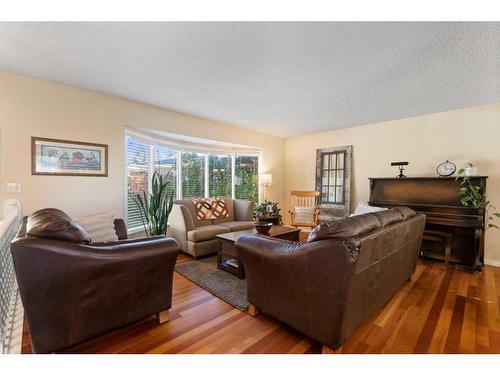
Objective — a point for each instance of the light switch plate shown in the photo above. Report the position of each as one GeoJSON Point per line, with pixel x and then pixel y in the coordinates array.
{"type": "Point", "coordinates": [13, 187]}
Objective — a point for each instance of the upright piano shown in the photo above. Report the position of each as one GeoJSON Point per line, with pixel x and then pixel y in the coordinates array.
{"type": "Point", "coordinates": [439, 199]}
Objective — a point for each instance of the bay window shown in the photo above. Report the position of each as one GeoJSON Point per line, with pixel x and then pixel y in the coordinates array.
{"type": "Point", "coordinates": [219, 175]}
{"type": "Point", "coordinates": [246, 174]}
{"type": "Point", "coordinates": [193, 173]}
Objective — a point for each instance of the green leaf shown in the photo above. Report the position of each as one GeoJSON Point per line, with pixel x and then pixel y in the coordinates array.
{"type": "Point", "coordinates": [493, 226]}
{"type": "Point", "coordinates": [496, 214]}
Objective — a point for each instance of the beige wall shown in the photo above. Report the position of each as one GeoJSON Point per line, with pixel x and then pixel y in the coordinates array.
{"type": "Point", "coordinates": [31, 107]}
{"type": "Point", "coordinates": [470, 134]}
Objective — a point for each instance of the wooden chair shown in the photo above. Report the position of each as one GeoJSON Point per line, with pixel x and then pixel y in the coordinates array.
{"type": "Point", "coordinates": [304, 199]}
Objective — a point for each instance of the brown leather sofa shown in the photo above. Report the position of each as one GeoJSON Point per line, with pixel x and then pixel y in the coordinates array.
{"type": "Point", "coordinates": [330, 286]}
{"type": "Point", "coordinates": [73, 290]}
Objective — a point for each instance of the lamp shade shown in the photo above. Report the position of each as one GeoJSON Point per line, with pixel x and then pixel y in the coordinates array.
{"type": "Point", "coordinates": [265, 179]}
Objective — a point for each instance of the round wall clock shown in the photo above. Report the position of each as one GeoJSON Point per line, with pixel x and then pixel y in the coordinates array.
{"type": "Point", "coordinates": [446, 169]}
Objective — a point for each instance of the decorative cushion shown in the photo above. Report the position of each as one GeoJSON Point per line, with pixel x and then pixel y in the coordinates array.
{"type": "Point", "coordinates": [54, 224]}
{"type": "Point", "coordinates": [101, 227]}
{"type": "Point", "coordinates": [304, 215]}
{"type": "Point", "coordinates": [230, 212]}
{"type": "Point", "coordinates": [208, 208]}
{"type": "Point", "coordinates": [363, 208]}
{"type": "Point", "coordinates": [345, 228]}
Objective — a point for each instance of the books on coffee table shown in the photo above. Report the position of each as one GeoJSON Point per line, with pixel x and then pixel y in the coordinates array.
{"type": "Point", "coordinates": [232, 263]}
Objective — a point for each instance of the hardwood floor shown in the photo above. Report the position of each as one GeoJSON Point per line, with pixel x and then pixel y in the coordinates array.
{"type": "Point", "coordinates": [436, 312]}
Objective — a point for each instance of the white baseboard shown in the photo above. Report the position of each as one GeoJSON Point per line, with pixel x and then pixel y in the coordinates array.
{"type": "Point", "coordinates": [492, 262]}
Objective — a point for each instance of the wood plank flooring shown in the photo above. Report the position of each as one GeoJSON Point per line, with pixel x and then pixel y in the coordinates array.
{"type": "Point", "coordinates": [436, 312]}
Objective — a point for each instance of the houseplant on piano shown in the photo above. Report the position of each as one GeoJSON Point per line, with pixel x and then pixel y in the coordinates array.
{"type": "Point", "coordinates": [472, 196]}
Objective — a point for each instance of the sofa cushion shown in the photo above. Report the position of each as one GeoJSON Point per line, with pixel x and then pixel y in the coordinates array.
{"type": "Point", "coordinates": [54, 224]}
{"type": "Point", "coordinates": [345, 228]}
{"type": "Point", "coordinates": [100, 228]}
{"type": "Point", "coordinates": [206, 232]}
{"type": "Point", "coordinates": [243, 209]}
{"type": "Point", "coordinates": [388, 217]}
{"type": "Point", "coordinates": [238, 225]}
{"type": "Point", "coordinates": [405, 211]}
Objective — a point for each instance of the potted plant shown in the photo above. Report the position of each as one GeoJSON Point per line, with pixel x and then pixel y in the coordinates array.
{"type": "Point", "coordinates": [267, 211]}
{"type": "Point", "coordinates": [470, 170]}
{"type": "Point", "coordinates": [471, 195]}
{"type": "Point", "coordinates": [155, 207]}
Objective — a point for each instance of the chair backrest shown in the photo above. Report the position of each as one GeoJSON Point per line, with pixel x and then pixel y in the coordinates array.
{"type": "Point", "coordinates": [303, 198]}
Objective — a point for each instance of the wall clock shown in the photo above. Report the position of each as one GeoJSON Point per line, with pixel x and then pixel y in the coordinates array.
{"type": "Point", "coordinates": [446, 169]}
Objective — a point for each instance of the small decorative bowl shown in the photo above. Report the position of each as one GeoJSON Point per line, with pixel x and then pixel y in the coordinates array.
{"type": "Point", "coordinates": [263, 228]}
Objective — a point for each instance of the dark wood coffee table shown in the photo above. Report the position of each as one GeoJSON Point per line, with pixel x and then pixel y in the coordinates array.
{"type": "Point", "coordinates": [228, 255]}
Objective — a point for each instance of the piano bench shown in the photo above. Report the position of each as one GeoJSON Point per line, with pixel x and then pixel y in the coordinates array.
{"type": "Point", "coordinates": [442, 237]}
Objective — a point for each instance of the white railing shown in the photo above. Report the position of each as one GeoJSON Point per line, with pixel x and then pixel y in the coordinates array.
{"type": "Point", "coordinates": [9, 225]}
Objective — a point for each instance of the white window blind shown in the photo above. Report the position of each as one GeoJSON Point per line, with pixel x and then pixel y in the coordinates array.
{"type": "Point", "coordinates": [193, 175]}
{"type": "Point", "coordinates": [219, 175]}
{"type": "Point", "coordinates": [138, 176]}
{"type": "Point", "coordinates": [246, 183]}
{"type": "Point", "coordinates": [165, 162]}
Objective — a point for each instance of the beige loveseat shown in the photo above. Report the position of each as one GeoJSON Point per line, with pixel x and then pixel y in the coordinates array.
{"type": "Point", "coordinates": [198, 237]}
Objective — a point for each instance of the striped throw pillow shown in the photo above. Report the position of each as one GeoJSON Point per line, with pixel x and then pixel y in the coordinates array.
{"type": "Point", "coordinates": [304, 215]}
{"type": "Point", "coordinates": [101, 227]}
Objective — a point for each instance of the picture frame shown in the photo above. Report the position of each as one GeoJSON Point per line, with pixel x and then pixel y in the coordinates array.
{"type": "Point", "coordinates": [59, 157]}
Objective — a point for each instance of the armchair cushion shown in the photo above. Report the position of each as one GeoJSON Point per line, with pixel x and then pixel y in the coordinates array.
{"type": "Point", "coordinates": [54, 224]}
{"type": "Point", "coordinates": [206, 232]}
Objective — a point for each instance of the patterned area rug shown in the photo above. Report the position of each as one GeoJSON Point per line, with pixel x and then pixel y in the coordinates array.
{"type": "Point", "coordinates": [222, 284]}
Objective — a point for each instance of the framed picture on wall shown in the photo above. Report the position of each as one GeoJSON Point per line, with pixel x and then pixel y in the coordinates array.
{"type": "Point", "coordinates": [58, 157]}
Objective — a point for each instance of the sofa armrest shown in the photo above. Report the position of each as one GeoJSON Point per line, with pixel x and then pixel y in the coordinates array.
{"type": "Point", "coordinates": [243, 210]}
{"type": "Point", "coordinates": [181, 223]}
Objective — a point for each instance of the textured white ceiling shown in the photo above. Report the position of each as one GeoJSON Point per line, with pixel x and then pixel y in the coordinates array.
{"type": "Point", "coordinates": [281, 78]}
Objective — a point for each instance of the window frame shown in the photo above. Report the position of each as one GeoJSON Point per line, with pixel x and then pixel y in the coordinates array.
{"type": "Point", "coordinates": [181, 148]}
{"type": "Point", "coordinates": [329, 170]}
{"type": "Point", "coordinates": [333, 210]}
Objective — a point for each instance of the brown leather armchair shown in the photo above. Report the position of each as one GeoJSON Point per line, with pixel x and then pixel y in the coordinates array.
{"type": "Point", "coordinates": [72, 292]}
{"type": "Point", "coordinates": [330, 286]}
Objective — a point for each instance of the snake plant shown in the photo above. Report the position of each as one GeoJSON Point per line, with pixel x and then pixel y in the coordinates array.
{"type": "Point", "coordinates": [155, 206]}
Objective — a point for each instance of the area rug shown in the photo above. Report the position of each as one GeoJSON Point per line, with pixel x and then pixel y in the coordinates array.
{"type": "Point", "coordinates": [222, 284]}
